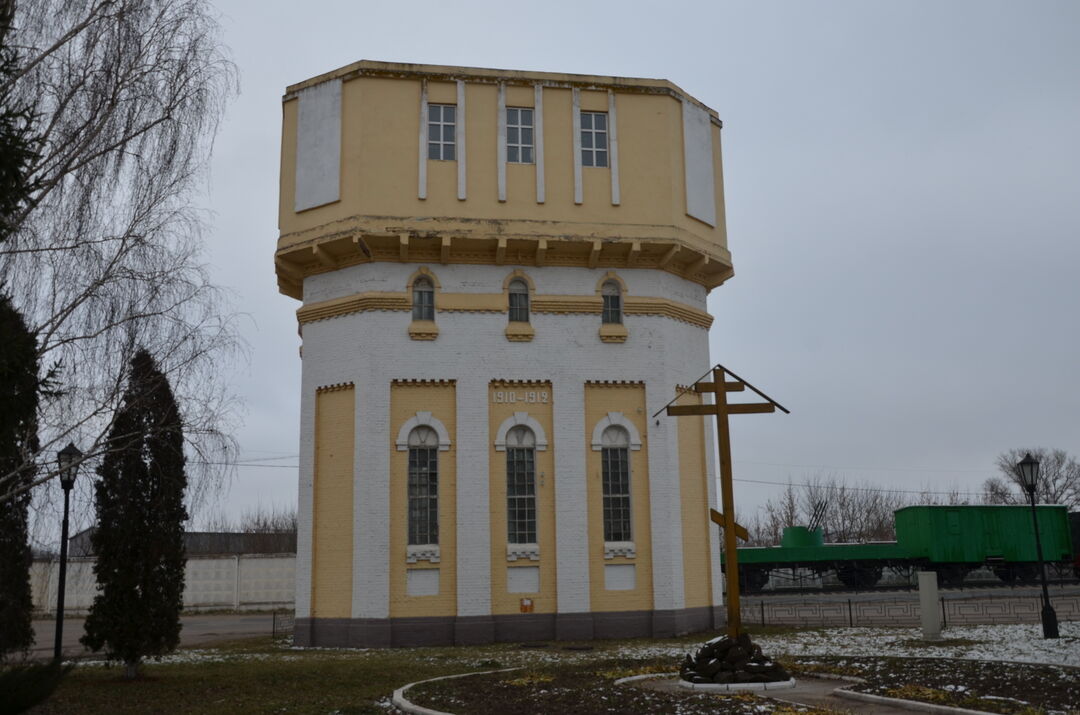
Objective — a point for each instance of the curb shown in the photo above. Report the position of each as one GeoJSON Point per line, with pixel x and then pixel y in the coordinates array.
{"type": "Point", "coordinates": [738, 687]}
{"type": "Point", "coordinates": [905, 704]}
{"type": "Point", "coordinates": [402, 703]}
{"type": "Point", "coordinates": [713, 687]}
{"type": "Point", "coordinates": [644, 676]}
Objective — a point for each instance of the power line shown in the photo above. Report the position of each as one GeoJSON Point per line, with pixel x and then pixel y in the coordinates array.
{"type": "Point", "coordinates": [857, 489]}
{"type": "Point", "coordinates": [862, 469]}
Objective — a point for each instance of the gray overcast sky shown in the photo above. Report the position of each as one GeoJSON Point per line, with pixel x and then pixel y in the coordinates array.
{"type": "Point", "coordinates": [903, 187]}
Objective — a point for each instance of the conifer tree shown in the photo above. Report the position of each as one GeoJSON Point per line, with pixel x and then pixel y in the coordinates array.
{"type": "Point", "coordinates": [140, 524]}
{"type": "Point", "coordinates": [19, 388]}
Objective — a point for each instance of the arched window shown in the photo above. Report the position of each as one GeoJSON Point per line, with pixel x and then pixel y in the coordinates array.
{"type": "Point", "coordinates": [521, 486]}
{"type": "Point", "coordinates": [423, 486]}
{"type": "Point", "coordinates": [423, 299]}
{"type": "Point", "coordinates": [615, 459]}
{"type": "Point", "coordinates": [612, 293]}
{"type": "Point", "coordinates": [519, 301]}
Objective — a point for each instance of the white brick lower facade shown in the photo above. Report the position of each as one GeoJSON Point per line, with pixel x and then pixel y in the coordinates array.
{"type": "Point", "coordinates": [372, 349]}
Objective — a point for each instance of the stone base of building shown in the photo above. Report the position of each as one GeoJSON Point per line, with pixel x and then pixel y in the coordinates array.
{"type": "Point", "coordinates": [473, 630]}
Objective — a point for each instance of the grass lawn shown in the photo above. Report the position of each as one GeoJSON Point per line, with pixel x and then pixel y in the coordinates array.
{"type": "Point", "coordinates": [257, 676]}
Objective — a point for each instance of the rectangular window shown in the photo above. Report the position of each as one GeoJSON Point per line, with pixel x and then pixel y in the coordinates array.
{"type": "Point", "coordinates": [442, 140]}
{"type": "Point", "coordinates": [616, 485]}
{"type": "Point", "coordinates": [519, 135]}
{"type": "Point", "coordinates": [423, 495]}
{"type": "Point", "coordinates": [519, 307]}
{"type": "Point", "coordinates": [612, 309]}
{"type": "Point", "coordinates": [520, 496]}
{"type": "Point", "coordinates": [594, 146]}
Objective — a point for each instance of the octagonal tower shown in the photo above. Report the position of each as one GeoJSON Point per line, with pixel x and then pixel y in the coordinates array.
{"type": "Point", "coordinates": [503, 276]}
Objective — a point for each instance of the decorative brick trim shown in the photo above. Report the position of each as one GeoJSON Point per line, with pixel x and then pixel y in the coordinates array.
{"type": "Point", "coordinates": [522, 551]}
{"type": "Point", "coordinates": [422, 552]}
{"type": "Point", "coordinates": [496, 303]}
{"type": "Point", "coordinates": [337, 387]}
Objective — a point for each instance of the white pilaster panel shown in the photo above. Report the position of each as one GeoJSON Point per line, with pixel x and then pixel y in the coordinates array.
{"type": "Point", "coordinates": [421, 190]}
{"type": "Point", "coordinates": [539, 135]}
{"type": "Point", "coordinates": [665, 500]}
{"type": "Point", "coordinates": [501, 149]}
{"type": "Point", "coordinates": [318, 145]}
{"type": "Point", "coordinates": [571, 497]}
{"type": "Point", "coordinates": [473, 509]}
{"type": "Point", "coordinates": [460, 135]}
{"type": "Point", "coordinates": [613, 148]}
{"type": "Point", "coordinates": [577, 146]}
{"type": "Point", "coordinates": [371, 501]}
{"type": "Point", "coordinates": [698, 163]}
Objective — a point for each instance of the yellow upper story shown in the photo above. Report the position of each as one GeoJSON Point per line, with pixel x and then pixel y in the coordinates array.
{"type": "Point", "coordinates": [423, 163]}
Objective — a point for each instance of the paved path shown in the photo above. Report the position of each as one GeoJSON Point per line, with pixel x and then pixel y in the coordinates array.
{"type": "Point", "coordinates": [197, 630]}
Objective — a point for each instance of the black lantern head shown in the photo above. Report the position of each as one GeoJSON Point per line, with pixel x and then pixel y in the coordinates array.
{"type": "Point", "coordinates": [68, 459]}
{"type": "Point", "coordinates": [1029, 472]}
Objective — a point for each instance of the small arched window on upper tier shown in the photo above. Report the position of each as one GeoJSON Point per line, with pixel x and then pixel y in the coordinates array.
{"type": "Point", "coordinates": [423, 303]}
{"type": "Point", "coordinates": [612, 329]}
{"type": "Point", "coordinates": [612, 294]}
{"type": "Point", "coordinates": [518, 292]}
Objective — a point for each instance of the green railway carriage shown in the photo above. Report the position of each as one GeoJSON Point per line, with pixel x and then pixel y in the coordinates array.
{"type": "Point", "coordinates": [951, 540]}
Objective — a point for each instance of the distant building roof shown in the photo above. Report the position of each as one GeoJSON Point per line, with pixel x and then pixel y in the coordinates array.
{"type": "Point", "coordinates": [209, 543]}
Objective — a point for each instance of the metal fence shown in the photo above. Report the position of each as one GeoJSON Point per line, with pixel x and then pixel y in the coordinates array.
{"type": "Point", "coordinates": [903, 609]}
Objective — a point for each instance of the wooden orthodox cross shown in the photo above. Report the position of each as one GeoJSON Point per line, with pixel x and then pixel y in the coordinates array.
{"type": "Point", "coordinates": [720, 386]}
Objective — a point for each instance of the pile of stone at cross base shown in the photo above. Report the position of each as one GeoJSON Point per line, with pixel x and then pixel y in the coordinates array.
{"type": "Point", "coordinates": [731, 660]}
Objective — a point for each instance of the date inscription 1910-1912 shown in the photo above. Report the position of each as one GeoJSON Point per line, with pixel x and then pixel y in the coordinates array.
{"type": "Point", "coordinates": [509, 397]}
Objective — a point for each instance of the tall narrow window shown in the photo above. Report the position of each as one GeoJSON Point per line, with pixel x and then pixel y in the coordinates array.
{"type": "Point", "coordinates": [612, 294]}
{"type": "Point", "coordinates": [594, 147]}
{"type": "Point", "coordinates": [423, 299]}
{"type": "Point", "coordinates": [521, 486]}
{"type": "Point", "coordinates": [519, 301]}
{"type": "Point", "coordinates": [615, 457]}
{"type": "Point", "coordinates": [423, 486]}
{"type": "Point", "coordinates": [442, 126]}
{"type": "Point", "coordinates": [519, 135]}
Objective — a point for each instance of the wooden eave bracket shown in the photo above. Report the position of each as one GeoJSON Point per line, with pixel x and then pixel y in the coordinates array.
{"type": "Point", "coordinates": [361, 246]}
{"type": "Point", "coordinates": [500, 252]}
{"type": "Point", "coordinates": [594, 254]}
{"type": "Point", "coordinates": [444, 250]}
{"type": "Point", "coordinates": [323, 257]}
{"type": "Point", "coordinates": [403, 246]}
{"type": "Point", "coordinates": [669, 256]}
{"type": "Point", "coordinates": [541, 251]}
{"type": "Point", "coordinates": [635, 253]}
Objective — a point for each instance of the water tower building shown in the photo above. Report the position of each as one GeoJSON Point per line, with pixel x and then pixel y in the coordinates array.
{"type": "Point", "coordinates": [502, 277]}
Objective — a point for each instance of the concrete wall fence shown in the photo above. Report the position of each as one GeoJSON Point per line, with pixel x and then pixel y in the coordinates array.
{"type": "Point", "coordinates": [238, 582]}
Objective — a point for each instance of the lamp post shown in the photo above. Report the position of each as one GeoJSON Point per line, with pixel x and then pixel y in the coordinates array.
{"type": "Point", "coordinates": [68, 459]}
{"type": "Point", "coordinates": [1029, 477]}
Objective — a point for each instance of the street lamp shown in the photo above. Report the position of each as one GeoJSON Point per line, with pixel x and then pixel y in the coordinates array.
{"type": "Point", "coordinates": [1029, 478]}
{"type": "Point", "coordinates": [68, 458]}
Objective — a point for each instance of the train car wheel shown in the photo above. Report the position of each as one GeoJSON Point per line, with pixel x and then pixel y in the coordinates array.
{"type": "Point", "coordinates": [752, 580]}
{"type": "Point", "coordinates": [1023, 573]}
{"type": "Point", "coordinates": [858, 574]}
{"type": "Point", "coordinates": [951, 575]}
